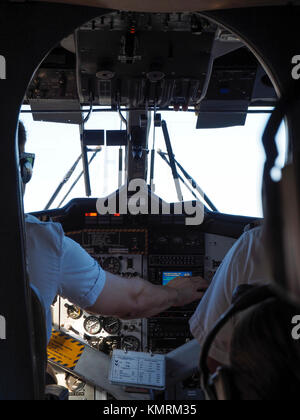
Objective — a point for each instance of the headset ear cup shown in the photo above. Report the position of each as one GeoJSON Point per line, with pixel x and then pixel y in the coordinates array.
{"type": "Point", "coordinates": [222, 381]}
{"type": "Point", "coordinates": [26, 171]}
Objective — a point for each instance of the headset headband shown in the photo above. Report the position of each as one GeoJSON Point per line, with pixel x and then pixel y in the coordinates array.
{"type": "Point", "coordinates": [273, 208]}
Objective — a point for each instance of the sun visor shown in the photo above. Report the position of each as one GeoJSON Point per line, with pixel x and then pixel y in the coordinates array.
{"type": "Point", "coordinates": [222, 114]}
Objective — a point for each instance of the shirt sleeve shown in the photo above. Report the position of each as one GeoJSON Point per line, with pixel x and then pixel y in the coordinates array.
{"type": "Point", "coordinates": [217, 300]}
{"type": "Point", "coordinates": [81, 277]}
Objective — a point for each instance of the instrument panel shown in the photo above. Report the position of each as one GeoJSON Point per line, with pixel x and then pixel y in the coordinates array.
{"type": "Point", "coordinates": [160, 249]}
{"type": "Point", "coordinates": [102, 333]}
{"type": "Point", "coordinates": [131, 253]}
{"type": "Point", "coordinates": [120, 252]}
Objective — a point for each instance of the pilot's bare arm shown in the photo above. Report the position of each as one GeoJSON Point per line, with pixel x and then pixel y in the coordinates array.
{"type": "Point", "coordinates": [131, 298]}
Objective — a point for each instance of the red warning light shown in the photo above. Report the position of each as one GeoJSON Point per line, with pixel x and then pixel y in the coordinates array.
{"type": "Point", "coordinates": [91, 214]}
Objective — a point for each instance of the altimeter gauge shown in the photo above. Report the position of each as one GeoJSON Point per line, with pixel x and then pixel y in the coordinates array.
{"type": "Point", "coordinates": [92, 325]}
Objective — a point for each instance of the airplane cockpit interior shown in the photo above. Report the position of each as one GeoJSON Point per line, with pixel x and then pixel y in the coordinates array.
{"type": "Point", "coordinates": [160, 134]}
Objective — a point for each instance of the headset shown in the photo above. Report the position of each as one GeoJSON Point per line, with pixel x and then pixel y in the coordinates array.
{"type": "Point", "coordinates": [281, 203]}
{"type": "Point", "coordinates": [26, 166]}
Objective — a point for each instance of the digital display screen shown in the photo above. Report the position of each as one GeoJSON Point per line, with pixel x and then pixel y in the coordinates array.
{"type": "Point", "coordinates": [170, 275]}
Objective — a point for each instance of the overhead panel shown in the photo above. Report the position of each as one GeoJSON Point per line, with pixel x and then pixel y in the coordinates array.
{"type": "Point", "coordinates": [141, 60]}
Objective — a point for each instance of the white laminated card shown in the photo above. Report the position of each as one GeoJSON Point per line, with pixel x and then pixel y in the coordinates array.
{"type": "Point", "coordinates": [143, 370]}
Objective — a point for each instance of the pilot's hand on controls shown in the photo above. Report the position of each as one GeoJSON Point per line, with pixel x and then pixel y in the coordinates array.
{"type": "Point", "coordinates": [189, 289]}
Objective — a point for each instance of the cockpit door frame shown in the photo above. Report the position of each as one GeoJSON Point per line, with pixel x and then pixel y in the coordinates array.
{"type": "Point", "coordinates": [28, 31]}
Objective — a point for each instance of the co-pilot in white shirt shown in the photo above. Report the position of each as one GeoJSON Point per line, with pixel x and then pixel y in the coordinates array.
{"type": "Point", "coordinates": [245, 263]}
{"type": "Point", "coordinates": [59, 266]}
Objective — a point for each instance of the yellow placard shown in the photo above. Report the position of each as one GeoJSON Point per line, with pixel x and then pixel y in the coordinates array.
{"type": "Point", "coordinates": [64, 350]}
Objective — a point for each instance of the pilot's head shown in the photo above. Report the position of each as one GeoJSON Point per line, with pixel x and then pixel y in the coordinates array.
{"type": "Point", "coordinates": [26, 159]}
{"type": "Point", "coordinates": [264, 355]}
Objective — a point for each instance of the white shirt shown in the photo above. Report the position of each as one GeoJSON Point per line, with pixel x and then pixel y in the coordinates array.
{"type": "Point", "coordinates": [245, 263]}
{"type": "Point", "coordinates": [59, 266]}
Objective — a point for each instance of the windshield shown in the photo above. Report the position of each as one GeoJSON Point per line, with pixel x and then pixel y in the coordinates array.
{"type": "Point", "coordinates": [226, 163]}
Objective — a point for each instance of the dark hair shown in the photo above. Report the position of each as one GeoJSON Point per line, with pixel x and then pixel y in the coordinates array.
{"type": "Point", "coordinates": [22, 138]}
{"type": "Point", "coordinates": [265, 359]}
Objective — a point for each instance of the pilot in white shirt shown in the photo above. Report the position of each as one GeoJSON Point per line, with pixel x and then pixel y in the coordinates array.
{"type": "Point", "coordinates": [245, 263]}
{"type": "Point", "coordinates": [59, 266]}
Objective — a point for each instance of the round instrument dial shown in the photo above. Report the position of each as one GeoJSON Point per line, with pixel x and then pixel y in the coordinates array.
{"type": "Point", "coordinates": [74, 384]}
{"type": "Point", "coordinates": [108, 344]}
{"type": "Point", "coordinates": [73, 311]}
{"type": "Point", "coordinates": [92, 325]}
{"type": "Point", "coordinates": [112, 325]}
{"type": "Point", "coordinates": [131, 343]}
{"type": "Point", "coordinates": [112, 265]}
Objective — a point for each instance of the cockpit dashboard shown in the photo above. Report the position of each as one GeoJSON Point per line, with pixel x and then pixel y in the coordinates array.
{"type": "Point", "coordinates": [156, 248]}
